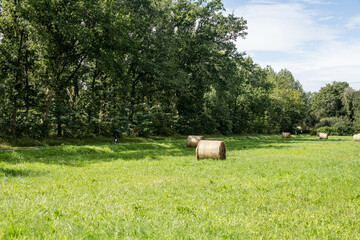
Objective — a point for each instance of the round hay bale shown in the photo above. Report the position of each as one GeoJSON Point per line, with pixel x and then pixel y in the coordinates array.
{"type": "Point", "coordinates": [286, 135]}
{"type": "Point", "coordinates": [356, 137]}
{"type": "Point", "coordinates": [210, 149]}
{"type": "Point", "coordinates": [323, 136]}
{"type": "Point", "coordinates": [192, 141]}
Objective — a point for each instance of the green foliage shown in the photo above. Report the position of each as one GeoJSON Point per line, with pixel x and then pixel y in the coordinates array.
{"type": "Point", "coordinates": [250, 98]}
{"type": "Point", "coordinates": [327, 122]}
{"type": "Point", "coordinates": [216, 113]}
{"type": "Point", "coordinates": [343, 126]}
{"type": "Point", "coordinates": [336, 126]}
{"type": "Point", "coordinates": [328, 102]}
{"type": "Point", "coordinates": [287, 101]}
{"type": "Point", "coordinates": [328, 130]}
{"type": "Point", "coordinates": [335, 109]}
{"type": "Point", "coordinates": [146, 68]}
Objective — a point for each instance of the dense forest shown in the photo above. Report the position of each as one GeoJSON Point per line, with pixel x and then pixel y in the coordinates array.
{"type": "Point", "coordinates": [148, 67]}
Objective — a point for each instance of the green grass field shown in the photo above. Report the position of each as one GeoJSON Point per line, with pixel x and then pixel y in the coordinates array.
{"type": "Point", "coordinates": [267, 188]}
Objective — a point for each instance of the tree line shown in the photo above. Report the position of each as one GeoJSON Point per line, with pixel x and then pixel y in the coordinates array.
{"type": "Point", "coordinates": [335, 109]}
{"type": "Point", "coordinates": [147, 67]}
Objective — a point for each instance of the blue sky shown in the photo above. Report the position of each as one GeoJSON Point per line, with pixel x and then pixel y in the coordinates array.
{"type": "Point", "coordinates": [317, 40]}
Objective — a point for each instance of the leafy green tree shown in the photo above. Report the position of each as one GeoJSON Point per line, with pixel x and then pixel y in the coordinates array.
{"type": "Point", "coordinates": [250, 98]}
{"type": "Point", "coordinates": [18, 67]}
{"type": "Point", "coordinates": [348, 99]}
{"type": "Point", "coordinates": [310, 118]}
{"type": "Point", "coordinates": [328, 102]}
{"type": "Point", "coordinates": [356, 110]}
{"type": "Point", "coordinates": [67, 34]}
{"type": "Point", "coordinates": [287, 108]}
{"type": "Point", "coordinates": [204, 40]}
{"type": "Point", "coordinates": [144, 67]}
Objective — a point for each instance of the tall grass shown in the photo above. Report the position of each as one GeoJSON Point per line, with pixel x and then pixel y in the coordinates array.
{"type": "Point", "coordinates": [268, 187]}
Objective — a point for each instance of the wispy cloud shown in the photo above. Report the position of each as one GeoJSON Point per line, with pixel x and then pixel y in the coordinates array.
{"type": "Point", "coordinates": [281, 27]}
{"type": "Point", "coordinates": [333, 61]}
{"type": "Point", "coordinates": [353, 22]}
{"type": "Point", "coordinates": [313, 1]}
{"type": "Point", "coordinates": [325, 18]}
{"type": "Point", "coordinates": [302, 40]}
{"type": "Point", "coordinates": [264, 1]}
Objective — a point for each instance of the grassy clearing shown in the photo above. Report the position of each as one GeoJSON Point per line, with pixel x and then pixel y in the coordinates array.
{"type": "Point", "coordinates": [268, 187]}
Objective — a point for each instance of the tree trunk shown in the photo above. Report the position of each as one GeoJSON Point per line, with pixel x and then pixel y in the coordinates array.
{"type": "Point", "coordinates": [59, 130]}
{"type": "Point", "coordinates": [14, 123]}
{"type": "Point", "coordinates": [45, 113]}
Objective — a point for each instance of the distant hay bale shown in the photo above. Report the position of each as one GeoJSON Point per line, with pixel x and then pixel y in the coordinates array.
{"type": "Point", "coordinates": [323, 136]}
{"type": "Point", "coordinates": [356, 137]}
{"type": "Point", "coordinates": [192, 141]}
{"type": "Point", "coordinates": [210, 149]}
{"type": "Point", "coordinates": [286, 135]}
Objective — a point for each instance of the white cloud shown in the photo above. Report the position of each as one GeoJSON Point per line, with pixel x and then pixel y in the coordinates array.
{"type": "Point", "coordinates": [333, 61]}
{"type": "Point", "coordinates": [312, 1]}
{"type": "Point", "coordinates": [315, 2]}
{"type": "Point", "coordinates": [337, 53]}
{"type": "Point", "coordinates": [280, 27]}
{"type": "Point", "coordinates": [326, 18]}
{"type": "Point", "coordinates": [264, 1]}
{"type": "Point", "coordinates": [353, 22]}
{"type": "Point", "coordinates": [314, 79]}
{"type": "Point", "coordinates": [301, 41]}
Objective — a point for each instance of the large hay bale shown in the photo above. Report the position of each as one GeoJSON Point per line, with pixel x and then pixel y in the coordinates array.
{"type": "Point", "coordinates": [210, 149]}
{"type": "Point", "coordinates": [323, 136]}
{"type": "Point", "coordinates": [356, 137]}
{"type": "Point", "coordinates": [286, 135]}
{"type": "Point", "coordinates": [192, 141]}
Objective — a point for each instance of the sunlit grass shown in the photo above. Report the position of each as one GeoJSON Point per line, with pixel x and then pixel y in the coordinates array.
{"type": "Point", "coordinates": [268, 187]}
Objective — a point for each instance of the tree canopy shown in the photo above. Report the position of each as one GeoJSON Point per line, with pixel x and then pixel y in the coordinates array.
{"type": "Point", "coordinates": [160, 67]}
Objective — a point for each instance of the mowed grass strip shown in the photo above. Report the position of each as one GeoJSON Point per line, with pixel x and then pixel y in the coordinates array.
{"type": "Point", "coordinates": [268, 187]}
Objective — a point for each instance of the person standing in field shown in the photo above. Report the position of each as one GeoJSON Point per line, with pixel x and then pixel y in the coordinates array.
{"type": "Point", "coordinates": [115, 135]}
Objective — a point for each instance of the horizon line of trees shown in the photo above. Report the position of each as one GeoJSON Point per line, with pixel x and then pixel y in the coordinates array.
{"type": "Point", "coordinates": [149, 67]}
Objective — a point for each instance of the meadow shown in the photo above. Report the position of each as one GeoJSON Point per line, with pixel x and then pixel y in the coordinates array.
{"type": "Point", "coordinates": [267, 188]}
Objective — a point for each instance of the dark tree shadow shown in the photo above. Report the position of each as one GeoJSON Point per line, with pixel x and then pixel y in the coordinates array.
{"type": "Point", "coordinates": [82, 155]}
{"type": "Point", "coordinates": [154, 151]}
{"type": "Point", "coordinates": [273, 141]}
{"type": "Point", "coordinates": [19, 173]}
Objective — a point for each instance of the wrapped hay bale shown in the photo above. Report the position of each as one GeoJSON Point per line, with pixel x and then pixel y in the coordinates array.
{"type": "Point", "coordinates": [210, 149]}
{"type": "Point", "coordinates": [286, 135]}
{"type": "Point", "coordinates": [323, 136]}
{"type": "Point", "coordinates": [356, 137]}
{"type": "Point", "coordinates": [192, 141]}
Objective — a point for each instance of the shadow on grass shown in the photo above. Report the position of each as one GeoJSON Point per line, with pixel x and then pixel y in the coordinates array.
{"type": "Point", "coordinates": [154, 151]}
{"type": "Point", "coordinates": [19, 173]}
{"type": "Point", "coordinates": [87, 154]}
{"type": "Point", "coordinates": [11, 143]}
{"type": "Point", "coordinates": [274, 141]}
